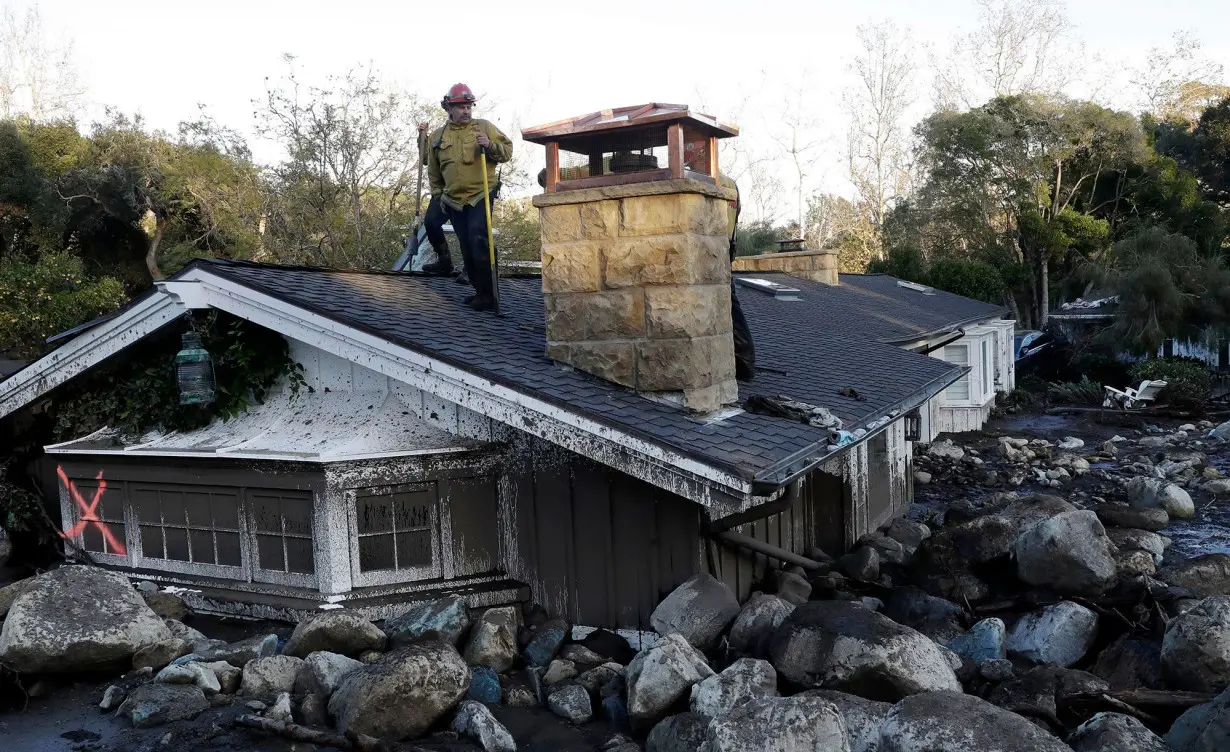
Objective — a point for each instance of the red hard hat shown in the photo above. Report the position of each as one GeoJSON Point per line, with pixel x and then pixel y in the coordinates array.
{"type": "Point", "coordinates": [459, 94]}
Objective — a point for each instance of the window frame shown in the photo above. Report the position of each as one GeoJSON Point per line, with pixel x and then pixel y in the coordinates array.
{"type": "Point", "coordinates": [142, 560]}
{"type": "Point", "coordinates": [968, 399]}
{"type": "Point", "coordinates": [377, 577]}
{"type": "Point", "coordinates": [277, 576]}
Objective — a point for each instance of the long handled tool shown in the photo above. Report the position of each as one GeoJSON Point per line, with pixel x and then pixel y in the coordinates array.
{"type": "Point", "coordinates": [495, 270]}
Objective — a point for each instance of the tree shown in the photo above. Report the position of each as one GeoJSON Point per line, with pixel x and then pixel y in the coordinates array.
{"type": "Point", "coordinates": [877, 149]}
{"type": "Point", "coordinates": [799, 143]}
{"type": "Point", "coordinates": [1169, 82]}
{"type": "Point", "coordinates": [838, 224]}
{"type": "Point", "coordinates": [519, 232]}
{"type": "Point", "coordinates": [1205, 150]}
{"type": "Point", "coordinates": [43, 297]}
{"type": "Point", "coordinates": [1018, 47]}
{"type": "Point", "coordinates": [341, 197]}
{"type": "Point", "coordinates": [37, 78]}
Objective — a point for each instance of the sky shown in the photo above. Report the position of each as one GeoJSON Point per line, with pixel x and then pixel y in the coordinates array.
{"type": "Point", "coordinates": [532, 61]}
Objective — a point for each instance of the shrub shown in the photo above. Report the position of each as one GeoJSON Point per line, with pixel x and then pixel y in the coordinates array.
{"type": "Point", "coordinates": [1083, 392]}
{"type": "Point", "coordinates": [1187, 381]}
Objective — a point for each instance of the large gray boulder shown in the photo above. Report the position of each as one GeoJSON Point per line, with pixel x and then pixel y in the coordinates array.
{"type": "Point", "coordinates": [403, 693]}
{"type": "Point", "coordinates": [493, 640]}
{"type": "Point", "coordinates": [1132, 517]}
{"type": "Point", "coordinates": [659, 677]}
{"type": "Point", "coordinates": [572, 703]}
{"type": "Point", "coordinates": [957, 722]}
{"type": "Point", "coordinates": [779, 724]}
{"type": "Point", "coordinates": [745, 679]}
{"type": "Point", "coordinates": [846, 646]}
{"type": "Point", "coordinates": [992, 536]}
{"type": "Point", "coordinates": [684, 732]}
{"type": "Point", "coordinates": [1035, 693]}
{"type": "Point", "coordinates": [1115, 732]}
{"type": "Point", "coordinates": [156, 703]}
{"type": "Point", "coordinates": [1130, 663]}
{"type": "Point", "coordinates": [335, 632]}
{"type": "Point", "coordinates": [240, 653]}
{"type": "Point", "coordinates": [1196, 647]}
{"type": "Point", "coordinates": [983, 642]}
{"type": "Point", "coordinates": [1068, 553]}
{"type": "Point", "coordinates": [1202, 575]}
{"type": "Point", "coordinates": [322, 673]}
{"type": "Point", "coordinates": [1204, 728]}
{"type": "Point", "coordinates": [937, 618]}
{"type": "Point", "coordinates": [1128, 539]}
{"type": "Point", "coordinates": [446, 620]}
{"type": "Point", "coordinates": [1060, 634]}
{"type": "Point", "coordinates": [700, 610]}
{"type": "Point", "coordinates": [77, 618]}
{"type": "Point", "coordinates": [863, 717]}
{"type": "Point", "coordinates": [1152, 493]}
{"type": "Point", "coordinates": [269, 677]}
{"type": "Point", "coordinates": [474, 720]}
{"type": "Point", "coordinates": [197, 674]}
{"type": "Point", "coordinates": [755, 624]}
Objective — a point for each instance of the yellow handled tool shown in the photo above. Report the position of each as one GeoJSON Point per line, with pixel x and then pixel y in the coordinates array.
{"type": "Point", "coordinates": [495, 272]}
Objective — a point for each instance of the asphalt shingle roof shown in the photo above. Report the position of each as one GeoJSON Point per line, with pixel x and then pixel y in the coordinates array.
{"type": "Point", "coordinates": [799, 353]}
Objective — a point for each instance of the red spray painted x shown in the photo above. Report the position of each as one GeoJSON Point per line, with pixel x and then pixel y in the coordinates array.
{"type": "Point", "coordinates": [88, 515]}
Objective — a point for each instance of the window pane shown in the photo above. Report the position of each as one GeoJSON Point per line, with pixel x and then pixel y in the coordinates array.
{"type": "Point", "coordinates": [375, 552]}
{"type": "Point", "coordinates": [148, 507]}
{"type": "Point", "coordinates": [414, 549]}
{"type": "Point", "coordinates": [298, 516]}
{"type": "Point", "coordinates": [197, 505]}
{"type": "Point", "coordinates": [177, 544]}
{"type": "Point", "coordinates": [228, 549]}
{"type": "Point", "coordinates": [269, 549]}
{"type": "Point", "coordinates": [151, 542]}
{"type": "Point", "coordinates": [375, 514]}
{"type": "Point", "coordinates": [117, 535]}
{"type": "Point", "coordinates": [111, 505]}
{"type": "Point", "coordinates": [91, 539]}
{"type": "Point", "coordinates": [299, 556]}
{"type": "Point", "coordinates": [202, 546]}
{"type": "Point", "coordinates": [958, 354]}
{"type": "Point", "coordinates": [413, 511]}
{"type": "Point", "coordinates": [225, 511]}
{"type": "Point", "coordinates": [266, 512]}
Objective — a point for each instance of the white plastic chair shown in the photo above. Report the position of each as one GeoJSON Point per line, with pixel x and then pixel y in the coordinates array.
{"type": "Point", "coordinates": [1130, 398]}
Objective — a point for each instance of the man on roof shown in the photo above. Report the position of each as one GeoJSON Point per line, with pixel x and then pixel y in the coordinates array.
{"type": "Point", "coordinates": [455, 172]}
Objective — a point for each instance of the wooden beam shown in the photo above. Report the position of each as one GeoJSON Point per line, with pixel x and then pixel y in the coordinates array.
{"type": "Point", "coordinates": [713, 158]}
{"type": "Point", "coordinates": [552, 166]}
{"type": "Point", "coordinates": [674, 150]}
{"type": "Point", "coordinates": [623, 178]}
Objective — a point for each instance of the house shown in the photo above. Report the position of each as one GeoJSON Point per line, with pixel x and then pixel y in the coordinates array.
{"type": "Point", "coordinates": [1081, 320]}
{"type": "Point", "coordinates": [588, 448]}
{"type": "Point", "coordinates": [917, 318]}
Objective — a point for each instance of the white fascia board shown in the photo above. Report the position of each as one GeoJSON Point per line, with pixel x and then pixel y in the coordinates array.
{"type": "Point", "coordinates": [585, 436]}
{"type": "Point", "coordinates": [87, 350]}
{"type": "Point", "coordinates": [66, 449]}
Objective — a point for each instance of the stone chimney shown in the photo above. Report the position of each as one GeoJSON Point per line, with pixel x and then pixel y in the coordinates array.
{"type": "Point", "coordinates": [818, 266]}
{"type": "Point", "coordinates": [635, 264]}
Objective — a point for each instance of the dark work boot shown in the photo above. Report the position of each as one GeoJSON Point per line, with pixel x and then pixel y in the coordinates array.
{"type": "Point", "coordinates": [483, 303]}
{"type": "Point", "coordinates": [462, 278]}
{"type": "Point", "coordinates": [440, 268]}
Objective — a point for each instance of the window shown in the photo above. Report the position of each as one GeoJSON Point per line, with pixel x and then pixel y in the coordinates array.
{"type": "Point", "coordinates": [189, 524]}
{"type": "Point", "coordinates": [282, 526]}
{"type": "Point", "coordinates": [396, 528]}
{"type": "Point", "coordinates": [101, 517]}
{"type": "Point", "coordinates": [958, 355]}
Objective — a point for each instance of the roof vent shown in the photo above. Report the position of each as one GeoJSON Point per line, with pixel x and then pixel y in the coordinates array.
{"type": "Point", "coordinates": [916, 287]}
{"type": "Point", "coordinates": [769, 287]}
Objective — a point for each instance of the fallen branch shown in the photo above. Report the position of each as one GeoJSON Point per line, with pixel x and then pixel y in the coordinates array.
{"type": "Point", "coordinates": [323, 737]}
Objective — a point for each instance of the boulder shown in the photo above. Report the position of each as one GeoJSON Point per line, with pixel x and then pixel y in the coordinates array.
{"type": "Point", "coordinates": [580, 656]}
{"type": "Point", "coordinates": [314, 710]}
{"type": "Point", "coordinates": [403, 693]}
{"type": "Point", "coordinates": [743, 680]}
{"type": "Point", "coordinates": [112, 698]}
{"type": "Point", "coordinates": [475, 721]}
{"type": "Point", "coordinates": [281, 711]}
{"type": "Point", "coordinates": [700, 610]}
{"type": "Point", "coordinates": [1204, 728]}
{"type": "Point", "coordinates": [1070, 443]}
{"type": "Point", "coordinates": [166, 605]}
{"type": "Point", "coordinates": [197, 641]}
{"type": "Point", "coordinates": [1128, 539]}
{"type": "Point", "coordinates": [889, 550]}
{"type": "Point", "coordinates": [559, 671]}
{"type": "Point", "coordinates": [862, 564]}
{"type": "Point", "coordinates": [1217, 487]}
{"type": "Point", "coordinates": [843, 645]}
{"type": "Point", "coordinates": [997, 670]}
{"type": "Point", "coordinates": [946, 450]}
{"type": "Point", "coordinates": [600, 676]}
{"type": "Point", "coordinates": [548, 639]}
{"type": "Point", "coordinates": [1130, 663]}
{"type": "Point", "coordinates": [1115, 732]}
{"type": "Point", "coordinates": [266, 677]}
{"type": "Point", "coordinates": [678, 733]}
{"type": "Point", "coordinates": [610, 646]}
{"type": "Point", "coordinates": [1135, 563]}
{"type": "Point", "coordinates": [1222, 431]}
{"type": "Point", "coordinates": [156, 703]}
{"type": "Point", "coordinates": [242, 652]}
{"type": "Point", "coordinates": [1060, 634]}
{"type": "Point", "coordinates": [937, 618]}
{"type": "Point", "coordinates": [571, 702]}
{"type": "Point", "coordinates": [908, 533]}
{"type": "Point", "coordinates": [485, 686]}
{"type": "Point", "coordinates": [778, 723]}
{"type": "Point", "coordinates": [983, 642]}
{"type": "Point", "coordinates": [792, 587]}
{"type": "Point", "coordinates": [756, 622]}
{"type": "Point", "coordinates": [196, 674]}
{"type": "Point", "coordinates": [10, 593]}
{"type": "Point", "coordinates": [955, 722]}
{"type": "Point", "coordinates": [1144, 519]}
{"type": "Point", "coordinates": [160, 653]}
{"type": "Point", "coordinates": [1068, 553]}
{"type": "Point", "coordinates": [1203, 575]}
{"type": "Point", "coordinates": [229, 677]}
{"type": "Point", "coordinates": [1153, 493]}
{"type": "Point", "coordinates": [493, 640]}
{"type": "Point", "coordinates": [658, 677]}
{"type": "Point", "coordinates": [334, 632]}
{"type": "Point", "coordinates": [922, 477]}
{"type": "Point", "coordinates": [446, 620]}
{"type": "Point", "coordinates": [991, 536]}
{"type": "Point", "coordinates": [1035, 693]}
{"type": "Point", "coordinates": [77, 618]}
{"type": "Point", "coordinates": [1196, 647]}
{"type": "Point", "coordinates": [862, 717]}
{"type": "Point", "coordinates": [322, 673]}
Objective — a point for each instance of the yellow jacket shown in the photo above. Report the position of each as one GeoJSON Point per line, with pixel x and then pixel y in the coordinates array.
{"type": "Point", "coordinates": [453, 165]}
{"type": "Point", "coordinates": [732, 212]}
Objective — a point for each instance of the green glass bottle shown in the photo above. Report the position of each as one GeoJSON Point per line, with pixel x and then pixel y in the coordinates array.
{"type": "Point", "coordinates": [196, 372]}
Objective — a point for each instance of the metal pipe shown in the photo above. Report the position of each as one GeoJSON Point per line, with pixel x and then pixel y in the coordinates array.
{"type": "Point", "coordinates": [773, 552]}
{"type": "Point", "coordinates": [777, 506]}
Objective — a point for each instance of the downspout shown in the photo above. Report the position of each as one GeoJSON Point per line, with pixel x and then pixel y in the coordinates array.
{"type": "Point", "coordinates": [721, 530]}
{"type": "Point", "coordinates": [952, 338]}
